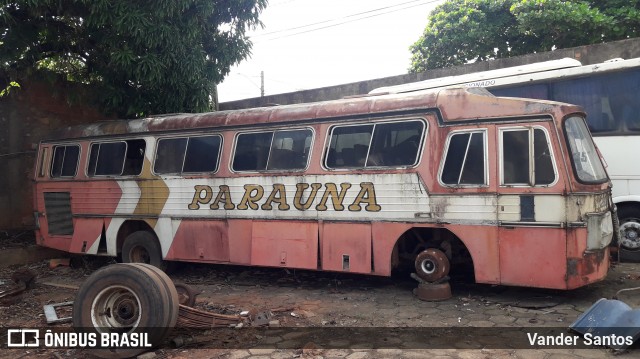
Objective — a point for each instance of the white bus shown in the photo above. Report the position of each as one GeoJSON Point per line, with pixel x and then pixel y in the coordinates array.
{"type": "Point", "coordinates": [610, 94]}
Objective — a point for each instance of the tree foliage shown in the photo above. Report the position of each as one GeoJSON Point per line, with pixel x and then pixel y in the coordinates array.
{"type": "Point", "coordinates": [460, 31]}
{"type": "Point", "coordinates": [141, 56]}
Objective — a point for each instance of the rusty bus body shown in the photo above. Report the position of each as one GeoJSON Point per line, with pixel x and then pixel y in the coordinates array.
{"type": "Point", "coordinates": [512, 185]}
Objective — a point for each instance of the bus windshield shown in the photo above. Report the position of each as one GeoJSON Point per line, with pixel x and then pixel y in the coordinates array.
{"type": "Point", "coordinates": [586, 162]}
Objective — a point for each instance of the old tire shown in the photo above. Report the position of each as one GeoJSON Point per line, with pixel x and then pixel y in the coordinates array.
{"type": "Point", "coordinates": [173, 299]}
{"type": "Point", "coordinates": [432, 265]}
{"type": "Point", "coordinates": [123, 298]}
{"type": "Point", "coordinates": [629, 233]}
{"type": "Point", "coordinates": [143, 247]}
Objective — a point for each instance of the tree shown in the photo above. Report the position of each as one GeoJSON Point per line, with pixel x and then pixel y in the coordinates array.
{"type": "Point", "coordinates": [140, 57]}
{"type": "Point", "coordinates": [461, 31]}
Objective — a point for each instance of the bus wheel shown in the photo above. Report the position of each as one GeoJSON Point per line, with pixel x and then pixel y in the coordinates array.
{"type": "Point", "coordinates": [124, 298]}
{"type": "Point", "coordinates": [629, 234]}
{"type": "Point", "coordinates": [143, 247]}
{"type": "Point", "coordinates": [432, 265]}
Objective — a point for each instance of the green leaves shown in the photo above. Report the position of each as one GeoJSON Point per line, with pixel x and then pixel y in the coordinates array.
{"type": "Point", "coordinates": [7, 89]}
{"type": "Point", "coordinates": [140, 57]}
{"type": "Point", "coordinates": [460, 31]}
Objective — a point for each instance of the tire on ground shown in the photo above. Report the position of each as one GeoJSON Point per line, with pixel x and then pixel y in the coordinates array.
{"type": "Point", "coordinates": [123, 298]}
{"type": "Point", "coordinates": [432, 265]}
{"type": "Point", "coordinates": [172, 301]}
{"type": "Point", "coordinates": [143, 247]}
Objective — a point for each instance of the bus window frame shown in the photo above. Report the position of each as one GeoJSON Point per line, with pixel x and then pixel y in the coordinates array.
{"type": "Point", "coordinates": [188, 137]}
{"type": "Point", "coordinates": [273, 131]}
{"type": "Point", "coordinates": [53, 152]}
{"type": "Point", "coordinates": [124, 159]}
{"type": "Point", "coordinates": [41, 171]}
{"type": "Point", "coordinates": [531, 129]}
{"type": "Point", "coordinates": [419, 154]}
{"type": "Point", "coordinates": [487, 179]}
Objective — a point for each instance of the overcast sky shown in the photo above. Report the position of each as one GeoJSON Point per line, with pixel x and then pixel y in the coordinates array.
{"type": "Point", "coordinates": [315, 43]}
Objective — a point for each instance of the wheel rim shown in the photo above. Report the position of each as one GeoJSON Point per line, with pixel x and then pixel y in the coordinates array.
{"type": "Point", "coordinates": [116, 307]}
{"type": "Point", "coordinates": [139, 254]}
{"type": "Point", "coordinates": [428, 266]}
{"type": "Point", "coordinates": [630, 234]}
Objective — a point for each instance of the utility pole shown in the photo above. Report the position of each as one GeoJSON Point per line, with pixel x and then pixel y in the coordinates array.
{"type": "Point", "coordinates": [261, 83]}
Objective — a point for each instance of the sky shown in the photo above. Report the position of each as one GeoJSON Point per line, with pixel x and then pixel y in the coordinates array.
{"type": "Point", "coordinates": [307, 44]}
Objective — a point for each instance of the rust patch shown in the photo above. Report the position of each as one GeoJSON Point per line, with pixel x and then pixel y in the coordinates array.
{"type": "Point", "coordinates": [589, 263]}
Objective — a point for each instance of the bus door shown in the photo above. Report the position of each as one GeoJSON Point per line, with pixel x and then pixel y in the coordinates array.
{"type": "Point", "coordinates": [531, 208]}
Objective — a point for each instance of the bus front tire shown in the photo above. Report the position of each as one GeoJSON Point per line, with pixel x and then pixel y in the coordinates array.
{"type": "Point", "coordinates": [629, 233]}
{"type": "Point", "coordinates": [143, 247]}
{"type": "Point", "coordinates": [432, 265]}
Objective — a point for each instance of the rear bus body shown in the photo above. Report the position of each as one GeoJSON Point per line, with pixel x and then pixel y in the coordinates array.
{"type": "Point", "coordinates": [355, 185]}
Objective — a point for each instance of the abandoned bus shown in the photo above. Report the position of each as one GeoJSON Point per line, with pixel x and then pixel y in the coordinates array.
{"type": "Point", "coordinates": [609, 94]}
{"type": "Point", "coordinates": [432, 179]}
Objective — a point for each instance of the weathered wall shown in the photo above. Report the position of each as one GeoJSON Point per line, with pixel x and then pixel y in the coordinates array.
{"type": "Point", "coordinates": [591, 54]}
{"type": "Point", "coordinates": [26, 116]}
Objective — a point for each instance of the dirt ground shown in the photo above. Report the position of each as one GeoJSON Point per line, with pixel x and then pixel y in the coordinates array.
{"type": "Point", "coordinates": [305, 299]}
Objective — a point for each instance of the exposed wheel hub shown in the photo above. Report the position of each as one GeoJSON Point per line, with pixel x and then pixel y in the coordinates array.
{"type": "Point", "coordinates": [428, 266]}
{"type": "Point", "coordinates": [115, 307]}
{"type": "Point", "coordinates": [630, 235]}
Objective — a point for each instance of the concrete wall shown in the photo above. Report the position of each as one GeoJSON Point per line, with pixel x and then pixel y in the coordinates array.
{"type": "Point", "coordinates": [590, 54]}
{"type": "Point", "coordinates": [26, 116]}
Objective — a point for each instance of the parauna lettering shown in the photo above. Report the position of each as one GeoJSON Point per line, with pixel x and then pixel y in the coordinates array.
{"type": "Point", "coordinates": [255, 197]}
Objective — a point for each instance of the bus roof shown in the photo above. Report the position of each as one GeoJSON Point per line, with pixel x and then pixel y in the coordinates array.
{"type": "Point", "coordinates": [454, 104]}
{"type": "Point", "coordinates": [531, 73]}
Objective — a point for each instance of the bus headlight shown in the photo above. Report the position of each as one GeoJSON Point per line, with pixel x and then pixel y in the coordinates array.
{"type": "Point", "coordinates": [599, 230]}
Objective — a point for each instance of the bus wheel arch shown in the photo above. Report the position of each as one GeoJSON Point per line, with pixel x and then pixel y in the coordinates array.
{"type": "Point", "coordinates": [629, 216]}
{"type": "Point", "coordinates": [431, 253]}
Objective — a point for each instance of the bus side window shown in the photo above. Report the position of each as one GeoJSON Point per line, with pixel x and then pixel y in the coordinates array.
{"type": "Point", "coordinates": [543, 164]}
{"type": "Point", "coordinates": [526, 157]}
{"type": "Point", "coordinates": [42, 162]}
{"type": "Point", "coordinates": [202, 154]}
{"type": "Point", "coordinates": [187, 155]}
{"type": "Point", "coordinates": [465, 160]}
{"type": "Point", "coordinates": [170, 155]}
{"type": "Point", "coordinates": [252, 151]}
{"type": "Point", "coordinates": [343, 144]}
{"type": "Point", "coordinates": [65, 161]}
{"type": "Point", "coordinates": [515, 159]}
{"type": "Point", "coordinates": [391, 144]}
{"type": "Point", "coordinates": [134, 158]}
{"type": "Point", "coordinates": [116, 158]}
{"type": "Point", "coordinates": [290, 150]}
{"type": "Point", "coordinates": [395, 144]}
